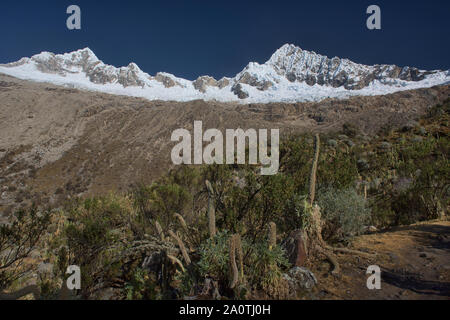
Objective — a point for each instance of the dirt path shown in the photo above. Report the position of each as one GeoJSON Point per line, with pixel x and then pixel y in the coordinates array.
{"type": "Point", "coordinates": [414, 262]}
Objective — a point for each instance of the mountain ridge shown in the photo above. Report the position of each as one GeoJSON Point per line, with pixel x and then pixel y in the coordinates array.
{"type": "Point", "coordinates": [290, 75]}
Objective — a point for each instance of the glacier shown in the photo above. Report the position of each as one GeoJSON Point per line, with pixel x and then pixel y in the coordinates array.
{"type": "Point", "coordinates": [290, 75]}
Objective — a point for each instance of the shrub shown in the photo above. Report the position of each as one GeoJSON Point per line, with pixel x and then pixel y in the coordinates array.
{"type": "Point", "coordinates": [263, 265]}
{"type": "Point", "coordinates": [350, 143]}
{"type": "Point", "coordinates": [332, 143]}
{"type": "Point", "coordinates": [385, 145]}
{"type": "Point", "coordinates": [350, 129]}
{"type": "Point", "coordinates": [17, 240]}
{"type": "Point", "coordinates": [96, 231]}
{"type": "Point", "coordinates": [362, 164]}
{"type": "Point", "coordinates": [345, 213]}
{"type": "Point", "coordinates": [215, 258]}
{"type": "Point", "coordinates": [265, 268]}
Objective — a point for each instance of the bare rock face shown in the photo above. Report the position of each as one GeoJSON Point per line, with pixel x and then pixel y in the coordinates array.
{"type": "Point", "coordinates": [291, 64]}
{"type": "Point", "coordinates": [49, 65]}
{"type": "Point", "coordinates": [222, 83]}
{"type": "Point", "coordinates": [299, 65]}
{"type": "Point", "coordinates": [291, 74]}
{"type": "Point", "coordinates": [130, 76]}
{"type": "Point", "coordinates": [239, 91]}
{"type": "Point", "coordinates": [203, 82]}
{"type": "Point", "coordinates": [85, 61]}
{"type": "Point", "coordinates": [254, 81]}
{"type": "Point", "coordinates": [295, 246]}
{"type": "Point", "coordinates": [165, 80]}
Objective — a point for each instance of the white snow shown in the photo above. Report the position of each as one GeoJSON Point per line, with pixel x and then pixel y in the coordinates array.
{"type": "Point", "coordinates": [287, 59]}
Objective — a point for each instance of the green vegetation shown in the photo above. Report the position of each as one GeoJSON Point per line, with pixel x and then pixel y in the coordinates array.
{"type": "Point", "coordinates": [165, 240]}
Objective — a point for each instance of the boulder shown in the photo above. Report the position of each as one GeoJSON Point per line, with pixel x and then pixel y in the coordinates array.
{"type": "Point", "coordinates": [296, 248]}
{"type": "Point", "coordinates": [300, 278]}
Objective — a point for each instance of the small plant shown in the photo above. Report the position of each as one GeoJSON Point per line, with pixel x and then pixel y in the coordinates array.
{"type": "Point", "coordinates": [332, 143]}
{"type": "Point", "coordinates": [141, 286]}
{"type": "Point", "coordinates": [214, 259]}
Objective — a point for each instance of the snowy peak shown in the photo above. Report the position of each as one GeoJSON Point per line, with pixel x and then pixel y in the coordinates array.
{"type": "Point", "coordinates": [299, 65]}
{"type": "Point", "coordinates": [291, 74]}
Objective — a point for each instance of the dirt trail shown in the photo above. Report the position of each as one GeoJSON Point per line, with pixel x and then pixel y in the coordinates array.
{"type": "Point", "coordinates": [414, 262]}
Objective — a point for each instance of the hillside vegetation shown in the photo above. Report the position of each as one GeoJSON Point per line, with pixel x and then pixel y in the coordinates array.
{"type": "Point", "coordinates": [219, 231]}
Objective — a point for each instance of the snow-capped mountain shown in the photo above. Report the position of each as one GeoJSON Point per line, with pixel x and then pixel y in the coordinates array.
{"type": "Point", "coordinates": [290, 75]}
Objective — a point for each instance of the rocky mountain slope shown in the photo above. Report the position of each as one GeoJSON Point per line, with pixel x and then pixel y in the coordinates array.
{"type": "Point", "coordinates": [57, 142]}
{"type": "Point", "coordinates": [290, 75]}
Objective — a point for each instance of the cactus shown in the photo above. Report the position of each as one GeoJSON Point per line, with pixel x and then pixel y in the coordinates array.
{"type": "Point", "coordinates": [182, 222]}
{"type": "Point", "coordinates": [272, 235]}
{"type": "Point", "coordinates": [234, 269]}
{"type": "Point", "coordinates": [176, 261]}
{"type": "Point", "coordinates": [240, 255]}
{"type": "Point", "coordinates": [235, 242]}
{"type": "Point", "coordinates": [313, 221]}
{"type": "Point", "coordinates": [211, 210]}
{"type": "Point", "coordinates": [236, 248]}
{"type": "Point", "coordinates": [181, 246]}
{"type": "Point", "coordinates": [365, 190]}
{"type": "Point", "coordinates": [159, 230]}
{"type": "Point", "coordinates": [312, 179]}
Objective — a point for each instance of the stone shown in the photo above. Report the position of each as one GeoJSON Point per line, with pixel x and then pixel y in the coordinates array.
{"type": "Point", "coordinates": [371, 229]}
{"type": "Point", "coordinates": [254, 81]}
{"type": "Point", "coordinates": [222, 83]}
{"type": "Point", "coordinates": [211, 289]}
{"type": "Point", "coordinates": [295, 247]}
{"type": "Point", "coordinates": [237, 90]}
{"type": "Point", "coordinates": [300, 278]}
{"type": "Point", "coordinates": [202, 83]}
{"type": "Point", "coordinates": [165, 80]}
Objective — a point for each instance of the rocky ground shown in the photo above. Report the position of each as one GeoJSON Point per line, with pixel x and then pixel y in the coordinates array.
{"type": "Point", "coordinates": [414, 262]}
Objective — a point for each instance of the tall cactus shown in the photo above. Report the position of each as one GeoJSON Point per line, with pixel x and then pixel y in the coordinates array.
{"type": "Point", "coordinates": [236, 248]}
{"type": "Point", "coordinates": [181, 246]}
{"type": "Point", "coordinates": [240, 255]}
{"type": "Point", "coordinates": [159, 230]}
{"type": "Point", "coordinates": [211, 210]}
{"type": "Point", "coordinates": [312, 178]}
{"type": "Point", "coordinates": [234, 269]}
{"type": "Point", "coordinates": [272, 235]}
{"type": "Point", "coordinates": [182, 222]}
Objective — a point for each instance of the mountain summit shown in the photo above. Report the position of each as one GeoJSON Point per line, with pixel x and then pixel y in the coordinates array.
{"type": "Point", "coordinates": [290, 75]}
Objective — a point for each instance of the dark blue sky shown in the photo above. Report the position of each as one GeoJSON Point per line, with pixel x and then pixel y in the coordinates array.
{"type": "Point", "coordinates": [219, 38]}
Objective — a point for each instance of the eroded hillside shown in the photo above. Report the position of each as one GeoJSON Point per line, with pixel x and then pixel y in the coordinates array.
{"type": "Point", "coordinates": [58, 143]}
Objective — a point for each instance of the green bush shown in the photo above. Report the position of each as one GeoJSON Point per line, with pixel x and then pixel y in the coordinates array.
{"type": "Point", "coordinates": [95, 233]}
{"type": "Point", "coordinates": [345, 213]}
{"type": "Point", "coordinates": [17, 240]}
